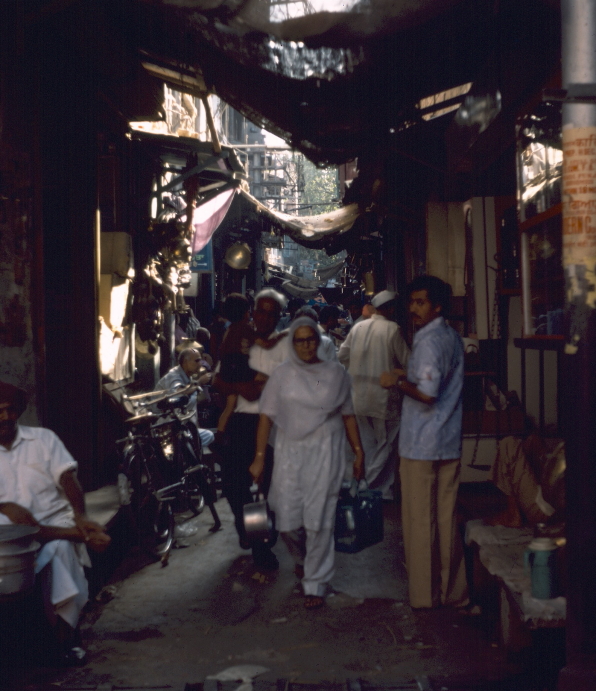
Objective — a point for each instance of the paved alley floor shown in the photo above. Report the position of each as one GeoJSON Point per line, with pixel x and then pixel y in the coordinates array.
{"type": "Point", "coordinates": [209, 610]}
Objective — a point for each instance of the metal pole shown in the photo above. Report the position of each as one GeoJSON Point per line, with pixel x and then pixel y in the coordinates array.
{"type": "Point", "coordinates": [579, 378]}
{"type": "Point", "coordinates": [211, 124]}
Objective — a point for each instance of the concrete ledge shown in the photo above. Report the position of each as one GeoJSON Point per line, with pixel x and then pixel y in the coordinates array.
{"type": "Point", "coordinates": [501, 552]}
{"type": "Point", "coordinates": [103, 504]}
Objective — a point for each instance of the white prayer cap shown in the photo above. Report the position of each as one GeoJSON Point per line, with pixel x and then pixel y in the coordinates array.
{"type": "Point", "coordinates": [383, 297]}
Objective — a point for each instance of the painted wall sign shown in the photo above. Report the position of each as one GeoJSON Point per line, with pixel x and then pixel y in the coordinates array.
{"type": "Point", "coordinates": [579, 227]}
{"type": "Point", "coordinates": [203, 261]}
{"type": "Point", "coordinates": [579, 195]}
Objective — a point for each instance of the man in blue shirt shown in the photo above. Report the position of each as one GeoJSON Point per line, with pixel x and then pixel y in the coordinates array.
{"type": "Point", "coordinates": [430, 450]}
{"type": "Point", "coordinates": [179, 377]}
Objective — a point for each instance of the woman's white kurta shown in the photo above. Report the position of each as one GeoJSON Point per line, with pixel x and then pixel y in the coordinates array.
{"type": "Point", "coordinates": [307, 402]}
{"type": "Point", "coordinates": [307, 477]}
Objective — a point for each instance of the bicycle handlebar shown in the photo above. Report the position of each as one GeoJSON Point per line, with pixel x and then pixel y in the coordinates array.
{"type": "Point", "coordinates": [161, 395]}
{"type": "Point", "coordinates": [138, 396]}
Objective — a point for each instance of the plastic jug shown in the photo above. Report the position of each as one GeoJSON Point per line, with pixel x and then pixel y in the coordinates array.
{"type": "Point", "coordinates": [540, 558]}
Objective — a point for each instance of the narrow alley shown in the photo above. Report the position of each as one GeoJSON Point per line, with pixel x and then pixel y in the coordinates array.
{"type": "Point", "coordinates": [248, 245]}
{"type": "Point", "coordinates": [209, 611]}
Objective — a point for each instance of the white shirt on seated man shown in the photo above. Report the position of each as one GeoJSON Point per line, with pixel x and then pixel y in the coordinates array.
{"type": "Point", "coordinates": [39, 487]}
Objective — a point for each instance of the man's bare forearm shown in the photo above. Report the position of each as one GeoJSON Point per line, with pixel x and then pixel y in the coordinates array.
{"type": "Point", "coordinates": [74, 492]}
{"type": "Point", "coordinates": [412, 391]}
{"type": "Point", "coordinates": [19, 515]}
{"type": "Point", "coordinates": [47, 533]}
{"type": "Point", "coordinates": [397, 378]}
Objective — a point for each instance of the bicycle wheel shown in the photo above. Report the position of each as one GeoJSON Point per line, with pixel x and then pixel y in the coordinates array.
{"type": "Point", "coordinates": [193, 493]}
{"type": "Point", "coordinates": [163, 528]}
{"type": "Point", "coordinates": [152, 519]}
{"type": "Point", "coordinates": [194, 497]}
{"type": "Point", "coordinates": [138, 469]}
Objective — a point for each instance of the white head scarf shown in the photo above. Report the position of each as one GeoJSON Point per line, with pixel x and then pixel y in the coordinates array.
{"type": "Point", "coordinates": [299, 397]}
{"type": "Point", "coordinates": [294, 326]}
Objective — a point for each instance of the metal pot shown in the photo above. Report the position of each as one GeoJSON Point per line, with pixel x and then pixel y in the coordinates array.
{"type": "Point", "coordinates": [17, 571]}
{"type": "Point", "coordinates": [15, 538]}
{"type": "Point", "coordinates": [259, 520]}
{"type": "Point", "coordinates": [18, 551]}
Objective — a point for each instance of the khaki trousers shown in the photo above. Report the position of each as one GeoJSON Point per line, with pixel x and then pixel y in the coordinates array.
{"type": "Point", "coordinates": [434, 553]}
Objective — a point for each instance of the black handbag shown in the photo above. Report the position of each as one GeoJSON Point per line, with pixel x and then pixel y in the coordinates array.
{"type": "Point", "coordinates": [358, 518]}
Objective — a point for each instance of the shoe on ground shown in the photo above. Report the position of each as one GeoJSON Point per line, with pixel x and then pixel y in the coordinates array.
{"type": "Point", "coordinates": [75, 657]}
{"type": "Point", "coordinates": [266, 562]}
{"type": "Point", "coordinates": [313, 601]}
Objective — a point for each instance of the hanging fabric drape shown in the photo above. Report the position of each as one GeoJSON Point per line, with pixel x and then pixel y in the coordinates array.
{"type": "Point", "coordinates": [207, 217]}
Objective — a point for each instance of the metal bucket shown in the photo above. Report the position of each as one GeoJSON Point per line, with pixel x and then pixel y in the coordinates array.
{"type": "Point", "coordinates": [14, 538]}
{"type": "Point", "coordinates": [17, 571]}
{"type": "Point", "coordinates": [259, 521]}
{"type": "Point", "coordinates": [18, 550]}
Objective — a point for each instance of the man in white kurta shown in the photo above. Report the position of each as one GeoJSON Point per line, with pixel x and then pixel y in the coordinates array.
{"type": "Point", "coordinates": [38, 487]}
{"type": "Point", "coordinates": [373, 346]}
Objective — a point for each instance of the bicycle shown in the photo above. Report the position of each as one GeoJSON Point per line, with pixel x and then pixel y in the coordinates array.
{"type": "Point", "coordinates": [163, 462]}
{"type": "Point", "coordinates": [152, 519]}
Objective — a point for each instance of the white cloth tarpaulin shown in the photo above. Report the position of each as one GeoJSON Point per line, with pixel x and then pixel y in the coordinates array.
{"type": "Point", "coordinates": [309, 231]}
{"type": "Point", "coordinates": [207, 217]}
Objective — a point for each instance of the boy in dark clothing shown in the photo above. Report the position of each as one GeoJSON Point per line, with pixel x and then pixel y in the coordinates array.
{"type": "Point", "coordinates": [234, 352]}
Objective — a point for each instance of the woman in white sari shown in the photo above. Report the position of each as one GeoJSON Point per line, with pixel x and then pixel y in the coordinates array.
{"type": "Point", "coordinates": [310, 403]}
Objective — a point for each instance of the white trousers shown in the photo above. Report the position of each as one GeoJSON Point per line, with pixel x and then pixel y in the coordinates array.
{"type": "Point", "coordinates": [315, 550]}
{"type": "Point", "coordinates": [377, 437]}
{"type": "Point", "coordinates": [64, 586]}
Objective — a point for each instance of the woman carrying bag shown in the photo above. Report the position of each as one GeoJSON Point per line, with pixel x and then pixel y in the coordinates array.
{"type": "Point", "coordinates": [310, 403]}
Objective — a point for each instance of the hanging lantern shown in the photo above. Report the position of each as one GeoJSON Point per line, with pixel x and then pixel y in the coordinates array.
{"type": "Point", "coordinates": [368, 279]}
{"type": "Point", "coordinates": [238, 256]}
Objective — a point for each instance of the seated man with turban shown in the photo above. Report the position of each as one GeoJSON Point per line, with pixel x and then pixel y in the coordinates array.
{"type": "Point", "coordinates": [39, 487]}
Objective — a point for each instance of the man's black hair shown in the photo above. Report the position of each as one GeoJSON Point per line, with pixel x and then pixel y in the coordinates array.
{"type": "Point", "coordinates": [328, 313]}
{"type": "Point", "coordinates": [235, 307]}
{"type": "Point", "coordinates": [294, 305]}
{"type": "Point", "coordinates": [203, 336]}
{"type": "Point", "coordinates": [439, 292]}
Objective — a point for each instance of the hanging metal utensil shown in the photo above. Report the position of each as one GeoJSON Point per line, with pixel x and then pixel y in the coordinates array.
{"type": "Point", "coordinates": [259, 520]}
{"type": "Point", "coordinates": [238, 256]}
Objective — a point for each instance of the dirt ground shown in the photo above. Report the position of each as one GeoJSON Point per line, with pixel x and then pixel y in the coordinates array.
{"type": "Point", "coordinates": [209, 611]}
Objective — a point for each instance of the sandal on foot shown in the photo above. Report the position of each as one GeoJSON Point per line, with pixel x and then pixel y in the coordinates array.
{"type": "Point", "coordinates": [313, 601]}
{"type": "Point", "coordinates": [470, 611]}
